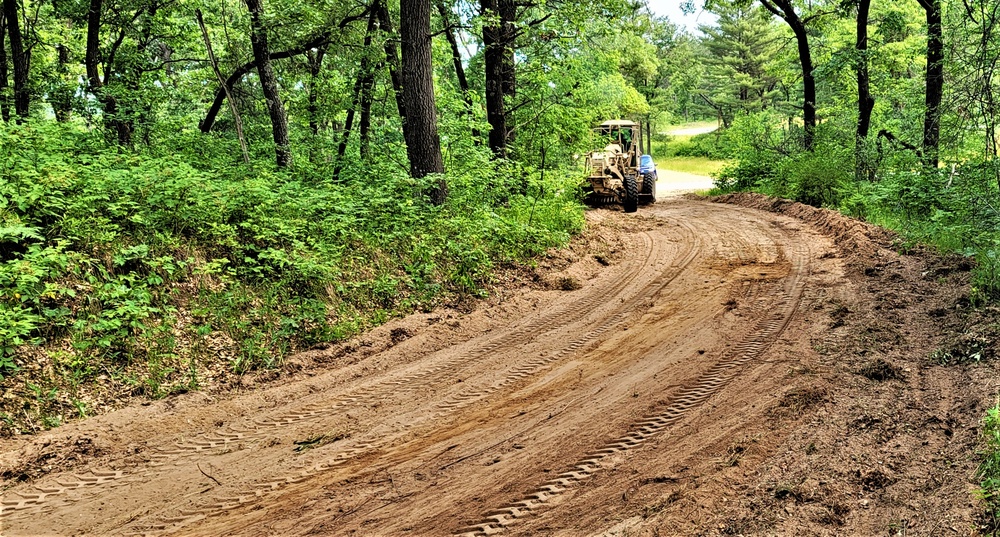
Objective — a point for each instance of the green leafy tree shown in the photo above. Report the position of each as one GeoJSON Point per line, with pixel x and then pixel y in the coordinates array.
{"type": "Point", "coordinates": [740, 67]}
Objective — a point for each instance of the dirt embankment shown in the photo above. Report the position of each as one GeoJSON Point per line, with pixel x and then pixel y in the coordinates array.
{"type": "Point", "coordinates": [751, 367]}
{"type": "Point", "coordinates": [903, 374]}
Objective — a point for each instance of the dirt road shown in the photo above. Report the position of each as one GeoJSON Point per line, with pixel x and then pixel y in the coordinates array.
{"type": "Point", "coordinates": [649, 380]}
{"type": "Point", "coordinates": [671, 183]}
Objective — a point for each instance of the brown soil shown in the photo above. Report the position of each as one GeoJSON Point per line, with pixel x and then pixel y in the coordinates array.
{"type": "Point", "coordinates": [756, 367]}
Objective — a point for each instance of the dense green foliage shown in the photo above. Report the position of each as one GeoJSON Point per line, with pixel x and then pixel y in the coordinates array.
{"type": "Point", "coordinates": [142, 254]}
{"type": "Point", "coordinates": [882, 177]}
{"type": "Point", "coordinates": [125, 267]}
{"type": "Point", "coordinates": [988, 472]}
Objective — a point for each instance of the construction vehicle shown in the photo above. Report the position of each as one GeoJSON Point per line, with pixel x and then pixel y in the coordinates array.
{"type": "Point", "coordinates": [613, 173]}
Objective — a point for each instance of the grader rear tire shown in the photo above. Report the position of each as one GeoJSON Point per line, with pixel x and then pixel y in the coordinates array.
{"type": "Point", "coordinates": [648, 189]}
{"type": "Point", "coordinates": [631, 201]}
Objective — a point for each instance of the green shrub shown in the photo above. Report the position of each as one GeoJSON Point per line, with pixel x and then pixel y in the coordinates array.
{"type": "Point", "coordinates": [710, 145]}
{"type": "Point", "coordinates": [755, 143]}
{"type": "Point", "coordinates": [988, 472]}
{"type": "Point", "coordinates": [126, 263]}
{"type": "Point", "coordinates": [815, 178]}
{"type": "Point", "coordinates": [748, 174]}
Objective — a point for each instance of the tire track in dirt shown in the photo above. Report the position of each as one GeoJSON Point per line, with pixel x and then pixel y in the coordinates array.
{"type": "Point", "coordinates": [551, 491]}
{"type": "Point", "coordinates": [401, 418]}
{"type": "Point", "coordinates": [647, 292]}
{"type": "Point", "coordinates": [415, 381]}
{"type": "Point", "coordinates": [73, 488]}
{"type": "Point", "coordinates": [451, 404]}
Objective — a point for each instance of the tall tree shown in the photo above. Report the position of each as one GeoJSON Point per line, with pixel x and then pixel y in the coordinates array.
{"type": "Point", "coordinates": [934, 82]}
{"type": "Point", "coordinates": [269, 84]}
{"type": "Point", "coordinates": [741, 46]}
{"type": "Point", "coordinates": [423, 146]}
{"type": "Point", "coordinates": [866, 102]}
{"type": "Point", "coordinates": [499, 33]}
{"type": "Point", "coordinates": [785, 10]}
{"type": "Point", "coordinates": [20, 57]}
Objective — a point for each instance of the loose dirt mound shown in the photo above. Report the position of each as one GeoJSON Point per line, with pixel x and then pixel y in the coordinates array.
{"type": "Point", "coordinates": [858, 241]}
{"type": "Point", "coordinates": [969, 334]}
{"type": "Point", "coordinates": [887, 435]}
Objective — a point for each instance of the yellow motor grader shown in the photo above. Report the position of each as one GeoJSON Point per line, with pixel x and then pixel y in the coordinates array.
{"type": "Point", "coordinates": [613, 173]}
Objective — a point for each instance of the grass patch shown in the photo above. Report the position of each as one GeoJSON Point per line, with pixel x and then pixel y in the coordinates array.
{"type": "Point", "coordinates": [695, 165]}
{"type": "Point", "coordinates": [711, 123]}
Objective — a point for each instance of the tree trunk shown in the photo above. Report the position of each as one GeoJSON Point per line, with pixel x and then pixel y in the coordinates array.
{"type": "Point", "coordinates": [367, 88]}
{"type": "Point", "coordinates": [4, 101]}
{"type": "Point", "coordinates": [365, 119]}
{"type": "Point", "coordinates": [866, 102]}
{"type": "Point", "coordinates": [93, 54]}
{"type": "Point", "coordinates": [345, 137]}
{"type": "Point", "coordinates": [498, 59]}
{"type": "Point", "coordinates": [423, 146]}
{"type": "Point", "coordinates": [61, 97]}
{"type": "Point", "coordinates": [92, 59]}
{"type": "Point", "coordinates": [392, 58]}
{"type": "Point", "coordinates": [269, 84]}
{"type": "Point", "coordinates": [363, 79]}
{"type": "Point", "coordinates": [934, 82]}
{"type": "Point", "coordinates": [786, 11]}
{"type": "Point", "coordinates": [348, 127]}
{"type": "Point", "coordinates": [315, 66]}
{"type": "Point", "coordinates": [20, 57]}
{"type": "Point", "coordinates": [456, 60]}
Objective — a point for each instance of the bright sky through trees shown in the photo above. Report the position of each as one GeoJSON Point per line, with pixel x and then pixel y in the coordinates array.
{"type": "Point", "coordinates": [672, 10]}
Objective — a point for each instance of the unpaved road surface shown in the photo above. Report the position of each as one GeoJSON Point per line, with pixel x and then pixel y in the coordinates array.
{"type": "Point", "coordinates": [671, 374]}
{"type": "Point", "coordinates": [672, 183]}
